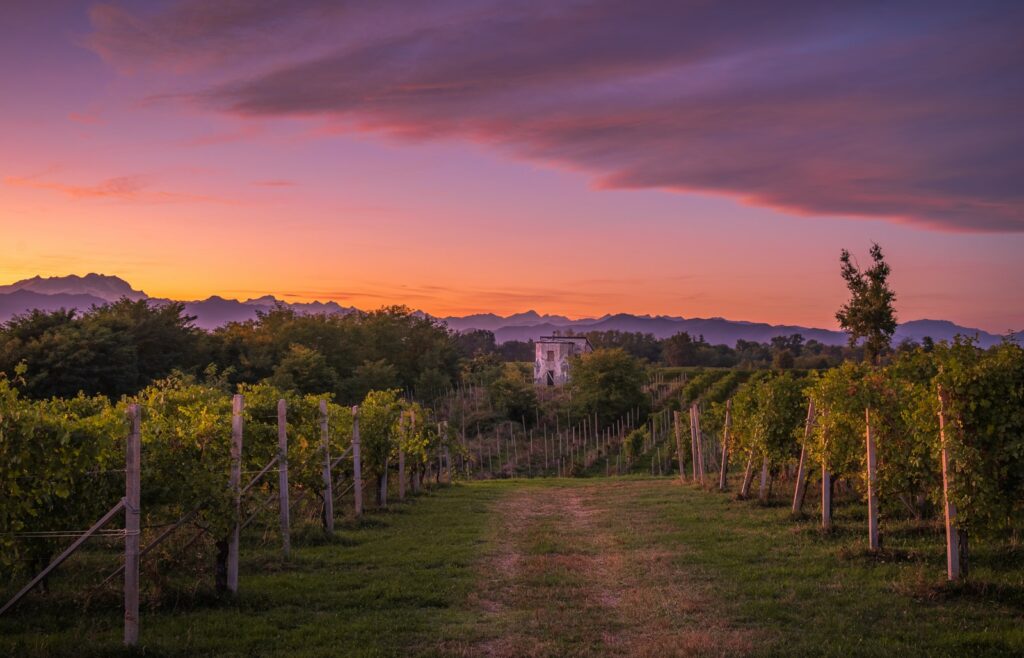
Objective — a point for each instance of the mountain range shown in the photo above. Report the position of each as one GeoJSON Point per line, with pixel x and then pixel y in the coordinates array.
{"type": "Point", "coordinates": [83, 292]}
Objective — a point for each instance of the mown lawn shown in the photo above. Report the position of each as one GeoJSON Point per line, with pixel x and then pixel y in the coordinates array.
{"type": "Point", "coordinates": [420, 580]}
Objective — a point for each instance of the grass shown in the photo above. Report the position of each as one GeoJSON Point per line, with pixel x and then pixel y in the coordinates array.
{"type": "Point", "coordinates": [626, 566]}
{"type": "Point", "coordinates": [380, 588]}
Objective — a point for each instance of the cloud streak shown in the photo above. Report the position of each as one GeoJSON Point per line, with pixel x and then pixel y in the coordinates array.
{"type": "Point", "coordinates": [120, 188]}
{"type": "Point", "coordinates": [906, 111]}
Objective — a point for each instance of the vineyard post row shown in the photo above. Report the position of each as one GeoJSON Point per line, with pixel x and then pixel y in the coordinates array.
{"type": "Point", "coordinates": [953, 533]}
{"type": "Point", "coordinates": [131, 505]}
{"type": "Point", "coordinates": [953, 539]}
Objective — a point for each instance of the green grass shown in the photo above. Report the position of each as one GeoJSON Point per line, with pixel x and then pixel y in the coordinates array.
{"type": "Point", "coordinates": [824, 594]}
{"type": "Point", "coordinates": [379, 589]}
{"type": "Point", "coordinates": [409, 582]}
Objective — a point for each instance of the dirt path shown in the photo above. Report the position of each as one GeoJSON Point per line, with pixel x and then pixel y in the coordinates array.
{"type": "Point", "coordinates": [577, 570]}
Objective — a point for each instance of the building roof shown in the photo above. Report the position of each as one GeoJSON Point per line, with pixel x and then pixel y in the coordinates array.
{"type": "Point", "coordinates": [564, 339]}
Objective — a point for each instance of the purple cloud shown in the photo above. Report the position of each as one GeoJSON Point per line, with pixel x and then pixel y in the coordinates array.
{"type": "Point", "coordinates": [908, 111]}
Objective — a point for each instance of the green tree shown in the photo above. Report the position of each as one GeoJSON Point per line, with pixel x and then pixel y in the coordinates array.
{"type": "Point", "coordinates": [608, 383]}
{"type": "Point", "coordinates": [679, 350]}
{"type": "Point", "coordinates": [514, 396]}
{"type": "Point", "coordinates": [305, 370]}
{"type": "Point", "coordinates": [869, 315]}
{"type": "Point", "coordinates": [372, 375]}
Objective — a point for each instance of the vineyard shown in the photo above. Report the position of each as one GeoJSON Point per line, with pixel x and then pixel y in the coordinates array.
{"type": "Point", "coordinates": [159, 496]}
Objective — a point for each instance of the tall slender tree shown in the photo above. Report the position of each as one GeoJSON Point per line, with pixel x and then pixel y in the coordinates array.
{"type": "Point", "coordinates": [869, 315]}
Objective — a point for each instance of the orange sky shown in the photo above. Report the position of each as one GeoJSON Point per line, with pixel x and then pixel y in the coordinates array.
{"type": "Point", "coordinates": [103, 169]}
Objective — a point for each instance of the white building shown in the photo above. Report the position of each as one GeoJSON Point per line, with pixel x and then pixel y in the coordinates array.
{"type": "Point", "coordinates": [551, 365]}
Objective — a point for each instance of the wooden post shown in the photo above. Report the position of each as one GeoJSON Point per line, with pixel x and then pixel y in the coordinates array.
{"type": "Point", "coordinates": [700, 442]}
{"type": "Point", "coordinates": [357, 465]}
{"type": "Point", "coordinates": [325, 439]}
{"type": "Point", "coordinates": [724, 470]}
{"type": "Point", "coordinates": [826, 498]}
{"type": "Point", "coordinates": [529, 462]}
{"type": "Point", "coordinates": [952, 532]}
{"type": "Point", "coordinates": [869, 440]}
{"type": "Point", "coordinates": [748, 476]}
{"type": "Point", "coordinates": [282, 476]}
{"type": "Point", "coordinates": [401, 453]}
{"type": "Point", "coordinates": [801, 471]}
{"type": "Point", "coordinates": [233, 483]}
{"type": "Point", "coordinates": [132, 515]}
{"type": "Point", "coordinates": [762, 493]}
{"type": "Point", "coordinates": [693, 442]}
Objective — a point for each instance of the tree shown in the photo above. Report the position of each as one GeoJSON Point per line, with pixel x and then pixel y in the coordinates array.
{"type": "Point", "coordinates": [679, 350]}
{"type": "Point", "coordinates": [869, 314]}
{"type": "Point", "coordinates": [304, 370]}
{"type": "Point", "coordinates": [608, 383]}
{"type": "Point", "coordinates": [372, 375]}
{"type": "Point", "coordinates": [640, 345]}
{"type": "Point", "coordinates": [514, 395]}
{"type": "Point", "coordinates": [111, 350]}
{"type": "Point", "coordinates": [517, 350]}
{"type": "Point", "coordinates": [473, 342]}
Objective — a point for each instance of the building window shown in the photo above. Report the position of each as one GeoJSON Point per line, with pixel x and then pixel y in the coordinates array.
{"type": "Point", "coordinates": [551, 355]}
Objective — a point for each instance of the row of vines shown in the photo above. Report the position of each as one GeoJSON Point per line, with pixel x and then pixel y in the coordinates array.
{"type": "Point", "coordinates": [62, 465]}
{"type": "Point", "coordinates": [896, 410]}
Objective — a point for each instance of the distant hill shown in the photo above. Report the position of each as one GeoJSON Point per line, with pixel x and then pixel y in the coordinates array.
{"type": "Point", "coordinates": [492, 322]}
{"type": "Point", "coordinates": [108, 288]}
{"type": "Point", "coordinates": [20, 302]}
{"type": "Point", "coordinates": [216, 311]}
{"type": "Point", "coordinates": [718, 331]}
{"type": "Point", "coordinates": [82, 292]}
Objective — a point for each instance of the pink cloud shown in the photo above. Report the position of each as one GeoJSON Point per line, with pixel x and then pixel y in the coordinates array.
{"type": "Point", "coordinates": [907, 112]}
{"type": "Point", "coordinates": [120, 188]}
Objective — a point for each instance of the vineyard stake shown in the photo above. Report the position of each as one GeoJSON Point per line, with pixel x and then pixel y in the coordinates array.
{"type": "Point", "coordinates": [700, 441]}
{"type": "Point", "coordinates": [235, 479]}
{"type": "Point", "coordinates": [801, 471]}
{"type": "Point", "coordinates": [724, 471]}
{"type": "Point", "coordinates": [952, 533]}
{"type": "Point", "coordinates": [677, 422]}
{"type": "Point", "coordinates": [762, 493]}
{"type": "Point", "coordinates": [401, 455]}
{"type": "Point", "coordinates": [693, 443]}
{"type": "Point", "coordinates": [869, 440]}
{"type": "Point", "coordinates": [57, 561]}
{"type": "Point", "coordinates": [132, 514]}
{"type": "Point", "coordinates": [325, 438]}
{"type": "Point", "coordinates": [282, 475]}
{"type": "Point", "coordinates": [357, 469]}
{"type": "Point", "coordinates": [748, 476]}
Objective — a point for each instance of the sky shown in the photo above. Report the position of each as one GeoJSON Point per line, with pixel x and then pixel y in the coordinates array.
{"type": "Point", "coordinates": [684, 158]}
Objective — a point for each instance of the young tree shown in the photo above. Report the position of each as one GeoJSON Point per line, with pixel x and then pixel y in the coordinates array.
{"type": "Point", "coordinates": [869, 314]}
{"type": "Point", "coordinates": [608, 383]}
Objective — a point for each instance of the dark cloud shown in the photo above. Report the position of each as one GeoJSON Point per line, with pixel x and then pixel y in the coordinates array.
{"type": "Point", "coordinates": [908, 111]}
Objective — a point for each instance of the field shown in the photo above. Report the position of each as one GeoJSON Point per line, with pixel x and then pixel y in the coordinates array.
{"type": "Point", "coordinates": [550, 567]}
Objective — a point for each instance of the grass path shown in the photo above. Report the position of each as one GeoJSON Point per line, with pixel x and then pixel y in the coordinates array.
{"type": "Point", "coordinates": [589, 567]}
{"type": "Point", "coordinates": [566, 579]}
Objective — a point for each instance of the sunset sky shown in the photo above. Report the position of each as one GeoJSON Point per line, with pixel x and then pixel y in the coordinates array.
{"type": "Point", "coordinates": [682, 158]}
